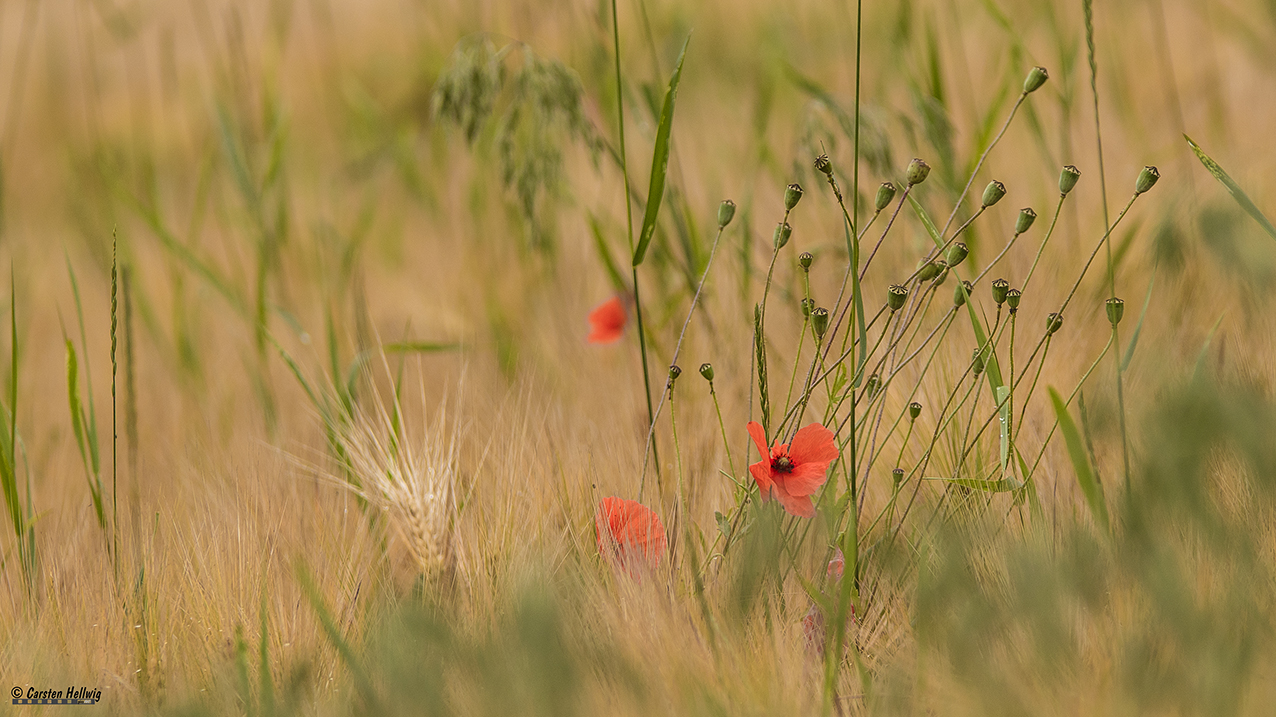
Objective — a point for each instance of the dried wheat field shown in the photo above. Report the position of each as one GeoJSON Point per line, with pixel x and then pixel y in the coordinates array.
{"type": "Point", "coordinates": [639, 357]}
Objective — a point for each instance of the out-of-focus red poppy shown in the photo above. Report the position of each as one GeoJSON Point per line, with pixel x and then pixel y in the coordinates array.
{"type": "Point", "coordinates": [791, 473]}
{"type": "Point", "coordinates": [813, 620]}
{"type": "Point", "coordinates": [607, 321]}
{"type": "Point", "coordinates": [630, 535]}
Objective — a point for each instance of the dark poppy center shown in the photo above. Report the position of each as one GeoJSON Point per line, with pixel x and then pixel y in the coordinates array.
{"type": "Point", "coordinates": [784, 464]}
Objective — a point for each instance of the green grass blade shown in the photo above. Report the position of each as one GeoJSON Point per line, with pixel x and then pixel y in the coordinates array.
{"type": "Point", "coordinates": [1205, 348]}
{"type": "Point", "coordinates": [600, 243]}
{"type": "Point", "coordinates": [1232, 188]}
{"type": "Point", "coordinates": [659, 162]}
{"type": "Point", "coordinates": [1138, 328]}
{"type": "Point", "coordinates": [1003, 418]}
{"type": "Point", "coordinates": [419, 347]}
{"type": "Point", "coordinates": [1090, 487]}
{"type": "Point", "coordinates": [330, 628]}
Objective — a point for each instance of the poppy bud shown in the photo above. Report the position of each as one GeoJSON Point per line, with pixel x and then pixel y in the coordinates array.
{"type": "Point", "coordinates": [896, 297]}
{"type": "Point", "coordinates": [1116, 309]}
{"type": "Point", "coordinates": [885, 193]}
{"type": "Point", "coordinates": [706, 370]}
{"type": "Point", "coordinates": [897, 477]}
{"type": "Point", "coordinates": [674, 373]}
{"type": "Point", "coordinates": [807, 305]}
{"type": "Point", "coordinates": [999, 289]}
{"type": "Point", "coordinates": [792, 195]}
{"type": "Point", "coordinates": [977, 362]}
{"type": "Point", "coordinates": [917, 172]}
{"type": "Point", "coordinates": [961, 291]}
{"type": "Point", "coordinates": [782, 233]}
{"type": "Point", "coordinates": [804, 260]}
{"type": "Point", "coordinates": [1053, 323]}
{"type": "Point", "coordinates": [1147, 178]}
{"type": "Point", "coordinates": [993, 193]}
{"type": "Point", "coordinates": [1026, 218]}
{"type": "Point", "coordinates": [1068, 179]}
{"type": "Point", "coordinates": [823, 165]}
{"type": "Point", "coordinates": [873, 383]}
{"type": "Point", "coordinates": [914, 410]}
{"type": "Point", "coordinates": [820, 320]}
{"type": "Point", "coordinates": [928, 272]}
{"type": "Point", "coordinates": [1012, 298]}
{"type": "Point", "coordinates": [956, 254]}
{"type": "Point", "coordinates": [726, 210]}
{"type": "Point", "coordinates": [1037, 77]}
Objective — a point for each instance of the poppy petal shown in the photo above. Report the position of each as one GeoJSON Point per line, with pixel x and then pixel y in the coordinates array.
{"type": "Point", "coordinates": [629, 534]}
{"type": "Point", "coordinates": [762, 476]}
{"type": "Point", "coordinates": [607, 321]}
{"type": "Point", "coordinates": [799, 505]}
{"type": "Point", "coordinates": [813, 444]}
{"type": "Point", "coordinates": [759, 439]}
{"type": "Point", "coordinates": [806, 478]}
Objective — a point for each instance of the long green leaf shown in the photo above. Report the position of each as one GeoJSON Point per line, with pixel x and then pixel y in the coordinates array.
{"type": "Point", "coordinates": [659, 162]}
{"type": "Point", "coordinates": [1080, 462]}
{"type": "Point", "coordinates": [1232, 187]}
{"type": "Point", "coordinates": [1138, 328]}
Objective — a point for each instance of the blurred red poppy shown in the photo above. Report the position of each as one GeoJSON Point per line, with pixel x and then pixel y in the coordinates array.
{"type": "Point", "coordinates": [607, 321]}
{"type": "Point", "coordinates": [791, 473]}
{"type": "Point", "coordinates": [630, 535]}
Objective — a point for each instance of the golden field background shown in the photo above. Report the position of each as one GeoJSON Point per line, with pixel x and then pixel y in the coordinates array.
{"type": "Point", "coordinates": [367, 214]}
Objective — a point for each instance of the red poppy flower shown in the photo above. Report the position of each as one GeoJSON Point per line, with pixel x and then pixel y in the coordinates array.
{"type": "Point", "coordinates": [607, 321]}
{"type": "Point", "coordinates": [629, 534]}
{"type": "Point", "coordinates": [813, 620]}
{"type": "Point", "coordinates": [791, 473]}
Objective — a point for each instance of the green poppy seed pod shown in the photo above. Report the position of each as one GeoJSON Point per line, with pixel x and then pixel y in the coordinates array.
{"type": "Point", "coordinates": [1037, 77]}
{"type": "Point", "coordinates": [823, 165]}
{"type": "Point", "coordinates": [956, 254]}
{"type": "Point", "coordinates": [897, 477]}
{"type": "Point", "coordinates": [896, 296]}
{"type": "Point", "coordinates": [1053, 323]}
{"type": "Point", "coordinates": [1147, 179]}
{"type": "Point", "coordinates": [804, 260]}
{"type": "Point", "coordinates": [1012, 298]}
{"type": "Point", "coordinates": [1116, 309]}
{"type": "Point", "coordinates": [782, 233]}
{"type": "Point", "coordinates": [820, 321]}
{"type": "Point", "coordinates": [792, 195]}
{"type": "Point", "coordinates": [1026, 218]}
{"type": "Point", "coordinates": [870, 387]}
{"type": "Point", "coordinates": [943, 272]}
{"type": "Point", "coordinates": [977, 362]}
{"type": "Point", "coordinates": [885, 193]}
{"type": "Point", "coordinates": [807, 306]}
{"type": "Point", "coordinates": [928, 272]}
{"type": "Point", "coordinates": [726, 210]}
{"type": "Point", "coordinates": [674, 373]}
{"type": "Point", "coordinates": [999, 289]}
{"type": "Point", "coordinates": [914, 410]}
{"type": "Point", "coordinates": [917, 172]}
{"type": "Point", "coordinates": [706, 370]}
{"type": "Point", "coordinates": [1068, 179]}
{"type": "Point", "coordinates": [961, 291]}
{"type": "Point", "coordinates": [993, 193]}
